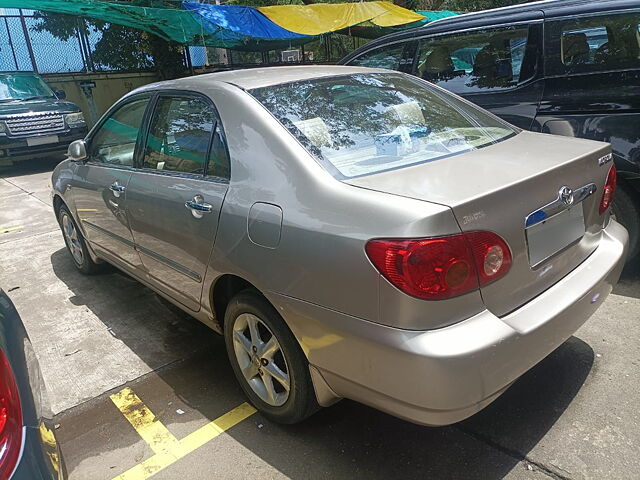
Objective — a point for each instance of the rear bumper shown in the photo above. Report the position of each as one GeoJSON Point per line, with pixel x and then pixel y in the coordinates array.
{"type": "Point", "coordinates": [442, 376]}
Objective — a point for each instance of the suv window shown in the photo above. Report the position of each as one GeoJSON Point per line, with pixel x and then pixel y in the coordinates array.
{"type": "Point", "coordinates": [389, 57]}
{"type": "Point", "coordinates": [594, 43]}
{"type": "Point", "coordinates": [115, 141]}
{"type": "Point", "coordinates": [474, 62]}
{"type": "Point", "coordinates": [179, 135]}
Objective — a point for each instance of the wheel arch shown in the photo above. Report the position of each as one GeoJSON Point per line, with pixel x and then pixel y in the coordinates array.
{"type": "Point", "coordinates": [223, 290]}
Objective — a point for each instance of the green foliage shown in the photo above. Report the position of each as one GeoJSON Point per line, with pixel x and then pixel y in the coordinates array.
{"type": "Point", "coordinates": [119, 47]}
{"type": "Point", "coordinates": [475, 5]}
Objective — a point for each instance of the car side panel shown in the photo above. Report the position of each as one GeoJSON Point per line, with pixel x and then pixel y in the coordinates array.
{"type": "Point", "coordinates": [320, 257]}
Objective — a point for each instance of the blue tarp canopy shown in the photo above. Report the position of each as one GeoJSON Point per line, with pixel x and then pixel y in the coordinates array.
{"type": "Point", "coordinates": [240, 26]}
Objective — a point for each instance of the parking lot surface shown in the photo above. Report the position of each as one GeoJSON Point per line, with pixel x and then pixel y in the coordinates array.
{"type": "Point", "coordinates": [142, 392]}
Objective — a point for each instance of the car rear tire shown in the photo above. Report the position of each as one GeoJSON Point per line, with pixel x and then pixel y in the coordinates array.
{"type": "Point", "coordinates": [267, 359]}
{"type": "Point", "coordinates": [76, 244]}
{"type": "Point", "coordinates": [626, 211]}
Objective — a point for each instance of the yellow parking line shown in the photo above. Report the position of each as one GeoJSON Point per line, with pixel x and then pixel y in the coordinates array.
{"type": "Point", "coordinates": [167, 448]}
{"type": "Point", "coordinates": [144, 421]}
{"type": "Point", "coordinates": [87, 210]}
{"type": "Point", "coordinates": [10, 229]}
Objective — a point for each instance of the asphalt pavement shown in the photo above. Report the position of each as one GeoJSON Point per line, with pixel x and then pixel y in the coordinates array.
{"type": "Point", "coordinates": [142, 392]}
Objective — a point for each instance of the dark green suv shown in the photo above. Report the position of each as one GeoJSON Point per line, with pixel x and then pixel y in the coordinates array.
{"type": "Point", "coordinates": [35, 121]}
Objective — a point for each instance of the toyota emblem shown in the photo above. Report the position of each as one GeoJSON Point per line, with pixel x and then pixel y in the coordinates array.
{"type": "Point", "coordinates": [566, 195]}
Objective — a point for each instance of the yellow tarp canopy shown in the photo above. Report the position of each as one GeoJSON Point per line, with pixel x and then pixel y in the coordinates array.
{"type": "Point", "coordinates": [319, 18]}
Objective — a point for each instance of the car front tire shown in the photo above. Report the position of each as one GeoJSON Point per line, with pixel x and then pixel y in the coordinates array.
{"type": "Point", "coordinates": [76, 243]}
{"type": "Point", "coordinates": [267, 360]}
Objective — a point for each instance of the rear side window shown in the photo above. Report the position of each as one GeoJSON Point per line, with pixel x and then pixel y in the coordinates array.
{"type": "Point", "coordinates": [594, 43]}
{"type": "Point", "coordinates": [218, 156]}
{"type": "Point", "coordinates": [389, 57]}
{"type": "Point", "coordinates": [474, 62]}
{"type": "Point", "coordinates": [179, 135]}
{"type": "Point", "coordinates": [361, 124]}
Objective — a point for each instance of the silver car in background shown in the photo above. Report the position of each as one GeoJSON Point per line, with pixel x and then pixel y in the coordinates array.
{"type": "Point", "coordinates": [354, 233]}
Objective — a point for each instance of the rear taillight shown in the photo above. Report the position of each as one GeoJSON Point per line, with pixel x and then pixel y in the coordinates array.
{"type": "Point", "coordinates": [609, 190]}
{"type": "Point", "coordinates": [441, 267]}
{"type": "Point", "coordinates": [10, 419]}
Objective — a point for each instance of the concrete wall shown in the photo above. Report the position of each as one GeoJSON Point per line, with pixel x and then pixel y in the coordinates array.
{"type": "Point", "coordinates": [109, 88]}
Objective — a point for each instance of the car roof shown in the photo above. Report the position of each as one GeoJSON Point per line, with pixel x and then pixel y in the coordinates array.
{"type": "Point", "coordinates": [501, 16]}
{"type": "Point", "coordinates": [266, 76]}
{"type": "Point", "coordinates": [549, 8]}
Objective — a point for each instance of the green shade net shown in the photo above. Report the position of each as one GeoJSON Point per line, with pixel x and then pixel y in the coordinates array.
{"type": "Point", "coordinates": [177, 25]}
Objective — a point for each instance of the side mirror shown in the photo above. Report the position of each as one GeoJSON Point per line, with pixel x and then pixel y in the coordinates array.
{"type": "Point", "coordinates": [61, 94]}
{"type": "Point", "coordinates": [77, 151]}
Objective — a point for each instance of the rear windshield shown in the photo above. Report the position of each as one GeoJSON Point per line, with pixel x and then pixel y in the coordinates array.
{"type": "Point", "coordinates": [356, 125]}
{"type": "Point", "coordinates": [23, 87]}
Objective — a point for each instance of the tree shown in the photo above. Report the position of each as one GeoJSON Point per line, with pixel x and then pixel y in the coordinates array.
{"type": "Point", "coordinates": [475, 5]}
{"type": "Point", "coordinates": [119, 47]}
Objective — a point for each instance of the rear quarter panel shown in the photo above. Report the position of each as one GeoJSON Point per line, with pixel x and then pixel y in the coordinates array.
{"type": "Point", "coordinates": [320, 257]}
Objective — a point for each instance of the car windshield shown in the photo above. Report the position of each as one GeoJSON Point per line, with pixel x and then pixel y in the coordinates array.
{"type": "Point", "coordinates": [23, 87]}
{"type": "Point", "coordinates": [361, 124]}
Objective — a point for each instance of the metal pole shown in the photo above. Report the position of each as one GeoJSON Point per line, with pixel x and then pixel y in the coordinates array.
{"type": "Point", "coordinates": [28, 41]}
{"type": "Point", "coordinates": [85, 43]}
{"type": "Point", "coordinates": [302, 51]}
{"type": "Point", "coordinates": [13, 50]}
{"type": "Point", "coordinates": [85, 60]}
{"type": "Point", "coordinates": [187, 55]}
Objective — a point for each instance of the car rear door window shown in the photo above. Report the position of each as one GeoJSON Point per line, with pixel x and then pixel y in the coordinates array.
{"type": "Point", "coordinates": [594, 43]}
{"type": "Point", "coordinates": [179, 135]}
{"type": "Point", "coordinates": [115, 140]}
{"type": "Point", "coordinates": [474, 61]}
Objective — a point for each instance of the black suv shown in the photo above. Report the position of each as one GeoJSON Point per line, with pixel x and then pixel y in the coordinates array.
{"type": "Point", "coordinates": [569, 67]}
{"type": "Point", "coordinates": [35, 121]}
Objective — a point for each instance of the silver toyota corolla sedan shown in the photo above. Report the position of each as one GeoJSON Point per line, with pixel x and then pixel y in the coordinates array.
{"type": "Point", "coordinates": [354, 233]}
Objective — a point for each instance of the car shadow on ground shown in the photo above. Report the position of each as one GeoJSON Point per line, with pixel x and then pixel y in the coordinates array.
{"type": "Point", "coordinates": [347, 439]}
{"type": "Point", "coordinates": [358, 441]}
{"type": "Point", "coordinates": [133, 313]}
{"type": "Point", "coordinates": [30, 167]}
{"type": "Point", "coordinates": [629, 284]}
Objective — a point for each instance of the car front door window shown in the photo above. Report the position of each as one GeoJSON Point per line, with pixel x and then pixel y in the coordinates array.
{"type": "Point", "coordinates": [115, 141]}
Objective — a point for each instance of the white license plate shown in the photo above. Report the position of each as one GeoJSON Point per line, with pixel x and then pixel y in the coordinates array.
{"type": "Point", "coordinates": [555, 233]}
{"type": "Point", "coordinates": [34, 141]}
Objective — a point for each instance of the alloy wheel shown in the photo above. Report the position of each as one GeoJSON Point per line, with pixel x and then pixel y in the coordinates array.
{"type": "Point", "coordinates": [73, 241]}
{"type": "Point", "coordinates": [261, 359]}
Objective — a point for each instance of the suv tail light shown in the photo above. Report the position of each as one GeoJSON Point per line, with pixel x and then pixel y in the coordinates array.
{"type": "Point", "coordinates": [609, 190]}
{"type": "Point", "coordinates": [441, 267]}
{"type": "Point", "coordinates": [10, 419]}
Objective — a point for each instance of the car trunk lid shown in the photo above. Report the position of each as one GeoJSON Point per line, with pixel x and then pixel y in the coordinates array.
{"type": "Point", "coordinates": [508, 188]}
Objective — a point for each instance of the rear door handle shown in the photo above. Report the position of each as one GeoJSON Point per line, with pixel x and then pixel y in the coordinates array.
{"type": "Point", "coordinates": [116, 189]}
{"type": "Point", "coordinates": [198, 206]}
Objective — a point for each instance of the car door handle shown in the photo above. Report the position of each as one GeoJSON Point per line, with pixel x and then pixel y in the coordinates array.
{"type": "Point", "coordinates": [198, 206]}
{"type": "Point", "coordinates": [116, 189]}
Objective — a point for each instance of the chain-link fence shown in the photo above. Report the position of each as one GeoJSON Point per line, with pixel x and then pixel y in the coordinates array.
{"type": "Point", "coordinates": [85, 47]}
